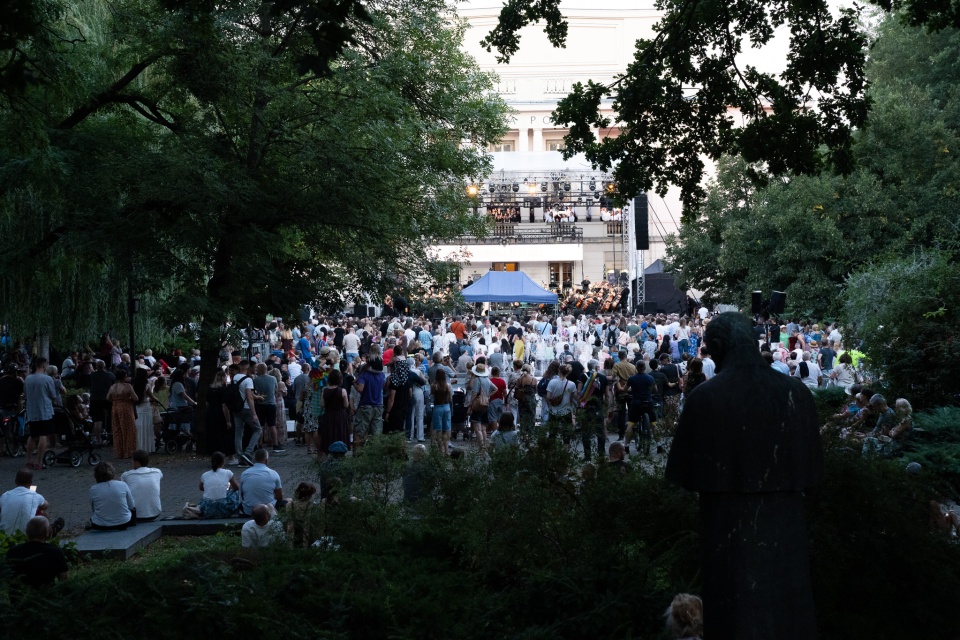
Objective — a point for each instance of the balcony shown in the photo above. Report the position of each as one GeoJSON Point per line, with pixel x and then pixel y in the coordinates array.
{"type": "Point", "coordinates": [504, 233]}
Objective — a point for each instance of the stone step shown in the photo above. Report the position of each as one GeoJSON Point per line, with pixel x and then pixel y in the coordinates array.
{"type": "Point", "coordinates": [123, 545]}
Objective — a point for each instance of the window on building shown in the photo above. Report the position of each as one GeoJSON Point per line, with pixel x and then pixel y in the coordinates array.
{"type": "Point", "coordinates": [555, 145]}
{"type": "Point", "coordinates": [503, 146]}
{"type": "Point", "coordinates": [561, 274]}
{"type": "Point", "coordinates": [506, 266]}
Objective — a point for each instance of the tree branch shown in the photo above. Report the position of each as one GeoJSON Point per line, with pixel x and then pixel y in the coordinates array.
{"type": "Point", "coordinates": [107, 96]}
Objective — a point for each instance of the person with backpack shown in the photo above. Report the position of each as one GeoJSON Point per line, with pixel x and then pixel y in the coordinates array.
{"type": "Point", "coordinates": [553, 369]}
{"type": "Point", "coordinates": [671, 393]}
{"type": "Point", "coordinates": [561, 398]}
{"type": "Point", "coordinates": [240, 400]}
{"type": "Point", "coordinates": [592, 388]}
{"type": "Point", "coordinates": [525, 395]}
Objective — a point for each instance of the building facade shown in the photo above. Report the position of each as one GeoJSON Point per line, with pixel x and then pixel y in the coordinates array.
{"type": "Point", "coordinates": [550, 217]}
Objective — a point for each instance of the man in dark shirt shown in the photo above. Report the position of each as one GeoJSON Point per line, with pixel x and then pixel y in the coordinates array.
{"type": "Point", "coordinates": [37, 562]}
{"type": "Point", "coordinates": [11, 389]}
{"type": "Point", "coordinates": [100, 382]}
{"type": "Point", "coordinates": [640, 386]}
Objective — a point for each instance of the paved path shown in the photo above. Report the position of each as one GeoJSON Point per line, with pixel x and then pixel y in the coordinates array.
{"type": "Point", "coordinates": [67, 489]}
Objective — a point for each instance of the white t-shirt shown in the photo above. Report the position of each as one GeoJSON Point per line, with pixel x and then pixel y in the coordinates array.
{"type": "Point", "coordinates": [17, 506]}
{"type": "Point", "coordinates": [812, 379]}
{"type": "Point", "coordinates": [253, 536]}
{"type": "Point", "coordinates": [351, 343]}
{"type": "Point", "coordinates": [216, 483]}
{"type": "Point", "coordinates": [144, 484]}
{"type": "Point", "coordinates": [246, 382]}
{"type": "Point", "coordinates": [709, 368]}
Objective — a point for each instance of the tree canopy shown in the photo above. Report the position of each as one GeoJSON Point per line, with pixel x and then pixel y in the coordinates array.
{"type": "Point", "coordinates": [232, 159]}
{"type": "Point", "coordinates": [804, 234]}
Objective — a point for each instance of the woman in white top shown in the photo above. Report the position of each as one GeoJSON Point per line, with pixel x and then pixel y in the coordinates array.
{"type": "Point", "coordinates": [221, 493]}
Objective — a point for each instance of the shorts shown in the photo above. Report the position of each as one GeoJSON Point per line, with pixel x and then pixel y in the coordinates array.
{"type": "Point", "coordinates": [40, 428]}
{"type": "Point", "coordinates": [368, 420]}
{"type": "Point", "coordinates": [635, 412]}
{"type": "Point", "coordinates": [441, 418]}
{"type": "Point", "coordinates": [494, 411]}
{"type": "Point", "coordinates": [267, 414]}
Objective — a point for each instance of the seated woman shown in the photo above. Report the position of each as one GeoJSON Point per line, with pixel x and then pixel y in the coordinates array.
{"type": "Point", "coordinates": [506, 433]}
{"type": "Point", "coordinates": [111, 501]}
{"type": "Point", "coordinates": [221, 493]}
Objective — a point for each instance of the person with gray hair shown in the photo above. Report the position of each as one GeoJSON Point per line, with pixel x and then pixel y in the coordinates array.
{"type": "Point", "coordinates": [808, 372]}
{"type": "Point", "coordinates": [749, 442]}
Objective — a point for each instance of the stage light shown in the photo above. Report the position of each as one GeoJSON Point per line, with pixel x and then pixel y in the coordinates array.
{"type": "Point", "coordinates": [492, 188]}
{"type": "Point", "coordinates": [543, 186]}
{"type": "Point", "coordinates": [566, 186]}
{"type": "Point", "coordinates": [610, 187]}
{"type": "Point", "coordinates": [516, 187]}
{"type": "Point", "coordinates": [473, 190]}
{"type": "Point", "coordinates": [593, 185]}
{"type": "Point", "coordinates": [532, 188]}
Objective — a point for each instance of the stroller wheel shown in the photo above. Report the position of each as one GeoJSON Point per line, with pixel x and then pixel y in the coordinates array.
{"type": "Point", "coordinates": [76, 458]}
{"type": "Point", "coordinates": [93, 459]}
{"type": "Point", "coordinates": [171, 446]}
{"type": "Point", "coordinates": [50, 458]}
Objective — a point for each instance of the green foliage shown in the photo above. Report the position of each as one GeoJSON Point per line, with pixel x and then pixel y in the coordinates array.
{"type": "Point", "coordinates": [805, 234]}
{"type": "Point", "coordinates": [874, 557]}
{"type": "Point", "coordinates": [230, 160]}
{"type": "Point", "coordinates": [935, 444]}
{"type": "Point", "coordinates": [828, 402]}
{"type": "Point", "coordinates": [889, 304]}
{"type": "Point", "coordinates": [514, 545]}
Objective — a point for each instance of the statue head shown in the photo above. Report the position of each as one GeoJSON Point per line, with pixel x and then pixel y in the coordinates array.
{"type": "Point", "coordinates": [727, 332]}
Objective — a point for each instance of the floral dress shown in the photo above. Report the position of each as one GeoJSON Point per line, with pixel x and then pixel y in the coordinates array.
{"type": "Point", "coordinates": [313, 402]}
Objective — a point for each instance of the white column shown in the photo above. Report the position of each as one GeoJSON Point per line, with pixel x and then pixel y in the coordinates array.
{"type": "Point", "coordinates": [537, 139]}
{"type": "Point", "coordinates": [523, 142]}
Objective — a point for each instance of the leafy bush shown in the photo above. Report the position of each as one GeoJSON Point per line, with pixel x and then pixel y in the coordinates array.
{"type": "Point", "coordinates": [828, 402]}
{"type": "Point", "coordinates": [906, 311]}
{"type": "Point", "coordinates": [875, 562]}
{"type": "Point", "coordinates": [935, 444]}
{"type": "Point", "coordinates": [514, 545]}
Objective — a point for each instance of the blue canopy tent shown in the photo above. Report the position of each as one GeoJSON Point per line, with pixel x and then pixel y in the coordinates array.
{"type": "Point", "coordinates": [507, 286]}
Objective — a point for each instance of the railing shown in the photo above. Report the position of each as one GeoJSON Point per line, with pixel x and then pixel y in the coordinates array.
{"type": "Point", "coordinates": [511, 233]}
{"type": "Point", "coordinates": [615, 228]}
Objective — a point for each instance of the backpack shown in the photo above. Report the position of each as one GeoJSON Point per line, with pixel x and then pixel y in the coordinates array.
{"type": "Point", "coordinates": [542, 387]}
{"type": "Point", "coordinates": [611, 337]}
{"type": "Point", "coordinates": [234, 397]}
{"type": "Point", "coordinates": [592, 384]}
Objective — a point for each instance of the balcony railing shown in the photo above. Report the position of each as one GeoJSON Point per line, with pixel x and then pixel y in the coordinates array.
{"type": "Point", "coordinates": [513, 233]}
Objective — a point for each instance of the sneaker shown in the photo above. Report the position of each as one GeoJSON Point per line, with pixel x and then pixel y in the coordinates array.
{"type": "Point", "coordinates": [231, 461]}
{"type": "Point", "coordinates": [278, 449]}
{"type": "Point", "coordinates": [245, 460]}
{"type": "Point", "coordinates": [57, 527]}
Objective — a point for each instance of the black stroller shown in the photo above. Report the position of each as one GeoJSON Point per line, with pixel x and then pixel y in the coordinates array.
{"type": "Point", "coordinates": [74, 436]}
{"type": "Point", "coordinates": [176, 430]}
{"type": "Point", "coordinates": [460, 424]}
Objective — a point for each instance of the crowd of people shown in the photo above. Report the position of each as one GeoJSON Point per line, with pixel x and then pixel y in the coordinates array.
{"type": "Point", "coordinates": [339, 381]}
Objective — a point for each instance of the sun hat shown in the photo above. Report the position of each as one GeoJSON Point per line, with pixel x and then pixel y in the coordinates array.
{"type": "Point", "coordinates": [480, 370]}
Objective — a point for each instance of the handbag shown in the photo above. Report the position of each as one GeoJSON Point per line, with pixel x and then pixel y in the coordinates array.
{"type": "Point", "coordinates": [480, 401]}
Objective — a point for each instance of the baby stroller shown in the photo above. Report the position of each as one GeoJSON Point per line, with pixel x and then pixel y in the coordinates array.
{"type": "Point", "coordinates": [176, 430]}
{"type": "Point", "coordinates": [73, 435]}
{"type": "Point", "coordinates": [460, 424]}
